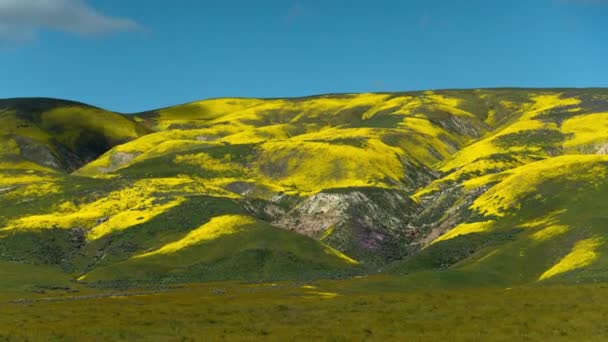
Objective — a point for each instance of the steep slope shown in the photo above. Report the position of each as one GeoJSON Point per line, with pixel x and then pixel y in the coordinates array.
{"type": "Point", "coordinates": [356, 143]}
{"type": "Point", "coordinates": [526, 203]}
{"type": "Point", "coordinates": [229, 247]}
{"type": "Point", "coordinates": [104, 226]}
{"type": "Point", "coordinates": [283, 139]}
{"type": "Point", "coordinates": [543, 221]}
{"type": "Point", "coordinates": [457, 179]}
{"type": "Point", "coordinates": [290, 150]}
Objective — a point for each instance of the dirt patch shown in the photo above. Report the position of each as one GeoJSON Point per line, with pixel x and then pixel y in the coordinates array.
{"type": "Point", "coordinates": [119, 159]}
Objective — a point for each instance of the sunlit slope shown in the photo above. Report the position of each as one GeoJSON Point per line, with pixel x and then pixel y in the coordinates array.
{"type": "Point", "coordinates": [309, 144]}
{"type": "Point", "coordinates": [503, 183]}
{"type": "Point", "coordinates": [294, 149]}
{"type": "Point", "coordinates": [229, 247]}
{"type": "Point", "coordinates": [103, 230]}
{"type": "Point", "coordinates": [553, 123]}
{"type": "Point", "coordinates": [526, 202]}
{"type": "Point", "coordinates": [542, 221]}
{"type": "Point", "coordinates": [302, 147]}
{"type": "Point", "coordinates": [45, 134]}
{"type": "Point", "coordinates": [306, 145]}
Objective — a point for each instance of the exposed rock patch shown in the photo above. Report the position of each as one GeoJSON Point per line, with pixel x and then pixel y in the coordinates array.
{"type": "Point", "coordinates": [368, 223]}
{"type": "Point", "coordinates": [37, 152]}
{"type": "Point", "coordinates": [119, 159]}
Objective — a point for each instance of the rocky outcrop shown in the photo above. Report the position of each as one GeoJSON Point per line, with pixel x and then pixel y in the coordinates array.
{"type": "Point", "coordinates": [370, 224]}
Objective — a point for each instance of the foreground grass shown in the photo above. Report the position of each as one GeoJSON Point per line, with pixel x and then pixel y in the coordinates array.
{"type": "Point", "coordinates": [375, 308]}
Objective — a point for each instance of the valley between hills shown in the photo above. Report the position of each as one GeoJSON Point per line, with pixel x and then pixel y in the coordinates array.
{"type": "Point", "coordinates": [391, 213]}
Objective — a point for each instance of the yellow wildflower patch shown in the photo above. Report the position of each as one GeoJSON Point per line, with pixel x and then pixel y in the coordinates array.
{"type": "Point", "coordinates": [582, 254]}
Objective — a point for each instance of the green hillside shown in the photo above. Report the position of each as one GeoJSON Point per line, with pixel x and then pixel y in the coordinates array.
{"type": "Point", "coordinates": [508, 186]}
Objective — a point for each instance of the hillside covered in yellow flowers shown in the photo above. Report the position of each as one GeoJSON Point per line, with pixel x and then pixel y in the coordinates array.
{"type": "Point", "coordinates": [507, 186]}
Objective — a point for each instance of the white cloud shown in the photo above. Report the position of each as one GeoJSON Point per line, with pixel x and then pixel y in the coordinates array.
{"type": "Point", "coordinates": [22, 19]}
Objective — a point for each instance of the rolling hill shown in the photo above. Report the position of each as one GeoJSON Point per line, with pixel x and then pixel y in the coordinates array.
{"type": "Point", "coordinates": [502, 185]}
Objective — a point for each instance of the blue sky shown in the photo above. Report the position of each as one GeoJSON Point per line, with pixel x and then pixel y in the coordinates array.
{"type": "Point", "coordinates": [137, 55]}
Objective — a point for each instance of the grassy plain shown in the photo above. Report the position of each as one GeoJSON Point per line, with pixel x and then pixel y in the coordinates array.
{"type": "Point", "coordinates": [376, 308]}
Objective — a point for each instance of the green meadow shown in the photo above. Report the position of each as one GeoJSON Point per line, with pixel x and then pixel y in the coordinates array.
{"type": "Point", "coordinates": [366, 309]}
